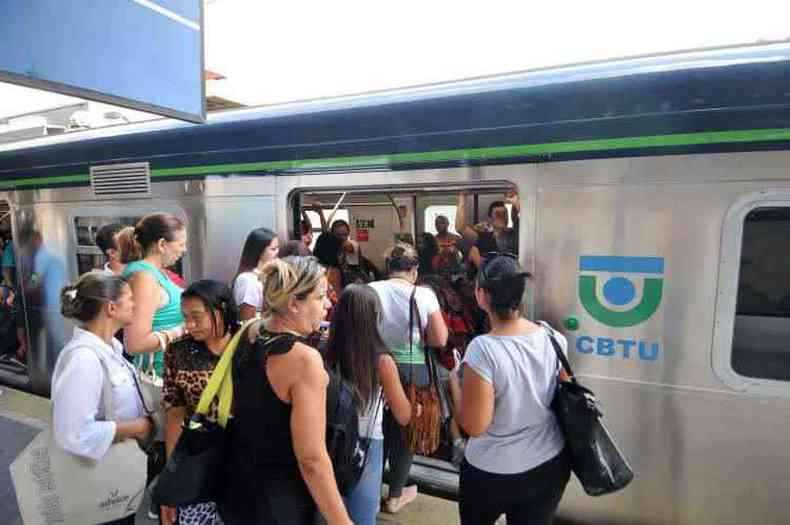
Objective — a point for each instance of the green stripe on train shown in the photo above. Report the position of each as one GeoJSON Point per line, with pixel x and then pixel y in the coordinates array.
{"type": "Point", "coordinates": [476, 154]}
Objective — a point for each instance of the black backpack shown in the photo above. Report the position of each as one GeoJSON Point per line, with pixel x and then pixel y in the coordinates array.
{"type": "Point", "coordinates": [347, 449]}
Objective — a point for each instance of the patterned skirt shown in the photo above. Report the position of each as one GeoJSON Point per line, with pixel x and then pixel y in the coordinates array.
{"type": "Point", "coordinates": [199, 514]}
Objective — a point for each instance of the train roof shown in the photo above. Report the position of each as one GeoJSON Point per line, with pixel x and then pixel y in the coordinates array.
{"type": "Point", "coordinates": [721, 100]}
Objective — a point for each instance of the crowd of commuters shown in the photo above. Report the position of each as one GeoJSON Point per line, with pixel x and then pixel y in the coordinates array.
{"type": "Point", "coordinates": [381, 324]}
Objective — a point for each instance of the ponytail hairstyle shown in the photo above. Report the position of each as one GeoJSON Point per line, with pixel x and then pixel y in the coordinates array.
{"type": "Point", "coordinates": [355, 343]}
{"type": "Point", "coordinates": [84, 299]}
{"type": "Point", "coordinates": [257, 241]}
{"type": "Point", "coordinates": [155, 226]}
{"type": "Point", "coordinates": [401, 258]}
{"type": "Point", "coordinates": [216, 297]}
{"type": "Point", "coordinates": [128, 248]}
{"type": "Point", "coordinates": [505, 284]}
{"type": "Point", "coordinates": [285, 278]}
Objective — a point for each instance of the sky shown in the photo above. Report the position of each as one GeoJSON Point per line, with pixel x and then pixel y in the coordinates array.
{"type": "Point", "coordinates": [274, 52]}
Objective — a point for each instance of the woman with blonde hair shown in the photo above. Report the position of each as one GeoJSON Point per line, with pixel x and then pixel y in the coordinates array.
{"type": "Point", "coordinates": [279, 468]}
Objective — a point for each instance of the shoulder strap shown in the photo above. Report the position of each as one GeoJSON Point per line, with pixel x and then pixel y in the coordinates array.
{"type": "Point", "coordinates": [109, 409]}
{"type": "Point", "coordinates": [221, 382]}
{"type": "Point", "coordinates": [423, 335]}
{"type": "Point", "coordinates": [412, 302]}
{"type": "Point", "coordinates": [558, 350]}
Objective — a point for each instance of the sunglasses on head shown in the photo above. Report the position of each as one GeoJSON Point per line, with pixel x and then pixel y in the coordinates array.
{"type": "Point", "coordinates": [490, 256]}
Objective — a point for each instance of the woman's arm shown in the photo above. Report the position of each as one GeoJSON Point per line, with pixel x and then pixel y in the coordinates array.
{"type": "Point", "coordinates": [137, 428]}
{"type": "Point", "coordinates": [138, 337]}
{"type": "Point", "coordinates": [308, 430]}
{"type": "Point", "coordinates": [477, 403]}
{"type": "Point", "coordinates": [77, 396]}
{"type": "Point", "coordinates": [174, 399]}
{"type": "Point", "coordinates": [320, 212]}
{"type": "Point", "coordinates": [173, 419]}
{"type": "Point", "coordinates": [393, 390]}
{"type": "Point", "coordinates": [436, 330]}
{"type": "Point", "coordinates": [247, 312]}
{"type": "Point", "coordinates": [475, 257]}
{"type": "Point", "coordinates": [460, 217]}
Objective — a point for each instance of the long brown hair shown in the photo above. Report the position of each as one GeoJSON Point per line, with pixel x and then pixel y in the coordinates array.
{"type": "Point", "coordinates": [355, 343]}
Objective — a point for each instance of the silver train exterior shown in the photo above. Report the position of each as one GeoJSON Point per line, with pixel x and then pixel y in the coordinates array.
{"type": "Point", "coordinates": [707, 442]}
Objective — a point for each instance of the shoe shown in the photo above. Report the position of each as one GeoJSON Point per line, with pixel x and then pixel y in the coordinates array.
{"type": "Point", "coordinates": [153, 512]}
{"type": "Point", "coordinates": [394, 505]}
{"type": "Point", "coordinates": [459, 449]}
{"type": "Point", "coordinates": [16, 362]}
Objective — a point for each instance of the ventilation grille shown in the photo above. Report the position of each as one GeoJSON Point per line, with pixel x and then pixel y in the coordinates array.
{"type": "Point", "coordinates": [119, 180]}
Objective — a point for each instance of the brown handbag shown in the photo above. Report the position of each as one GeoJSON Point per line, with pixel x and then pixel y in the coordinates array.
{"type": "Point", "coordinates": [423, 433]}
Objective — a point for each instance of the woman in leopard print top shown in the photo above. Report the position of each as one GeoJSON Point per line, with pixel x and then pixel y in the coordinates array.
{"type": "Point", "coordinates": [210, 318]}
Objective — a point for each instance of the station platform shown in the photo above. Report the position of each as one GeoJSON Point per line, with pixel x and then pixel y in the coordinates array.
{"type": "Point", "coordinates": [23, 415]}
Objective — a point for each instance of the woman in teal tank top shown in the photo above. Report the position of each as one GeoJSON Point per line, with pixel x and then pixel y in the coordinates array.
{"type": "Point", "coordinates": [157, 319]}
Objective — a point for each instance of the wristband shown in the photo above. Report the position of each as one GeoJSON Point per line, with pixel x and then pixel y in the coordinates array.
{"type": "Point", "coordinates": [162, 343]}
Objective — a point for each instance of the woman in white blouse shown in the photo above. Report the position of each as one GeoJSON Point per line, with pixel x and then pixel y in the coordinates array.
{"type": "Point", "coordinates": [102, 304]}
{"type": "Point", "coordinates": [260, 247]}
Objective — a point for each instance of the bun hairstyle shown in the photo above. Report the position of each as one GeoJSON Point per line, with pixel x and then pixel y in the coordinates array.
{"type": "Point", "coordinates": [505, 284]}
{"type": "Point", "coordinates": [128, 249]}
{"type": "Point", "coordinates": [290, 277]}
{"type": "Point", "coordinates": [401, 258]}
{"type": "Point", "coordinates": [84, 299]}
{"type": "Point", "coordinates": [155, 226]}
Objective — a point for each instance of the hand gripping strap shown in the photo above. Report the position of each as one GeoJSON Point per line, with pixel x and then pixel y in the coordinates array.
{"type": "Point", "coordinates": [221, 382]}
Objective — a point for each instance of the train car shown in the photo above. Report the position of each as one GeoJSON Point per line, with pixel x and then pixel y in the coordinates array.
{"type": "Point", "coordinates": [654, 214]}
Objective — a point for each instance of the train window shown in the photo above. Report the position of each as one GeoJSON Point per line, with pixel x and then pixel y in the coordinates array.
{"type": "Point", "coordinates": [761, 335]}
{"type": "Point", "coordinates": [315, 221]}
{"type": "Point", "coordinates": [431, 212]}
{"type": "Point", "coordinates": [89, 256]}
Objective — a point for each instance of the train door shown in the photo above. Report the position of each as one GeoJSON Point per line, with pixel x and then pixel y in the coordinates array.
{"type": "Point", "coordinates": [445, 227]}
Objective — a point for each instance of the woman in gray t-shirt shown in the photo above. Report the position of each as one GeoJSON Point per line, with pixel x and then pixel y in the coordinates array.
{"type": "Point", "coordinates": [515, 455]}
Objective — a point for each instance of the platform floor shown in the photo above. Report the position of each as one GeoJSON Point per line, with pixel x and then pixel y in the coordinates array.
{"type": "Point", "coordinates": [23, 415]}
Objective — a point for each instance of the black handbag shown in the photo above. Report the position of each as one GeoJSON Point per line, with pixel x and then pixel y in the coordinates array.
{"type": "Point", "coordinates": [194, 472]}
{"type": "Point", "coordinates": [595, 459]}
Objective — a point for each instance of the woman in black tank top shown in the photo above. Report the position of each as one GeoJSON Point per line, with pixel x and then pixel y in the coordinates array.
{"type": "Point", "coordinates": [279, 471]}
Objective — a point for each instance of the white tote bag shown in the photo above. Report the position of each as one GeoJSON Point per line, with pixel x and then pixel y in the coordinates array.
{"type": "Point", "coordinates": [54, 486]}
{"type": "Point", "coordinates": [151, 389]}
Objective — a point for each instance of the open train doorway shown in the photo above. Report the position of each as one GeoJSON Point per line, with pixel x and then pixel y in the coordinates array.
{"type": "Point", "coordinates": [13, 337]}
{"type": "Point", "coordinates": [454, 230]}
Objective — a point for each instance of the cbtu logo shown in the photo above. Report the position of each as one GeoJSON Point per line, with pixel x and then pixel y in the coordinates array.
{"type": "Point", "coordinates": [612, 299]}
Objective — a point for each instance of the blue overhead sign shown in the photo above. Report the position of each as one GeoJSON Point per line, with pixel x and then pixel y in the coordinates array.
{"type": "Point", "coordinates": [141, 54]}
